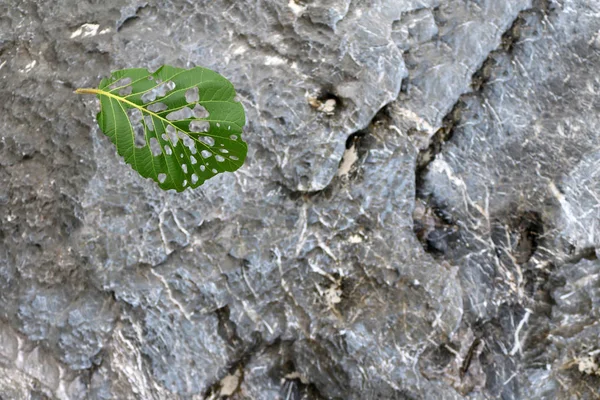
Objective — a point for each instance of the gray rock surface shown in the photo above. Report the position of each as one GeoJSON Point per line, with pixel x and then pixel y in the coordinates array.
{"type": "Point", "coordinates": [432, 235]}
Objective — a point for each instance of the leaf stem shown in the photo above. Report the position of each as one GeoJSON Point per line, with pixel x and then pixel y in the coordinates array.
{"type": "Point", "coordinates": [87, 91]}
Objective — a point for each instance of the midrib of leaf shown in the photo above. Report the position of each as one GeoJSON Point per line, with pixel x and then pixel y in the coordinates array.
{"type": "Point", "coordinates": [142, 109]}
{"type": "Point", "coordinates": [124, 100]}
{"type": "Point", "coordinates": [145, 110]}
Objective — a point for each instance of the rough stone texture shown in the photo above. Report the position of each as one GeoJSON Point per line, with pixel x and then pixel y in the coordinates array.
{"type": "Point", "coordinates": [433, 236]}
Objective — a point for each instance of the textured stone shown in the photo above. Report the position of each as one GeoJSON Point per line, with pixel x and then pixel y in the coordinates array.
{"type": "Point", "coordinates": [417, 217]}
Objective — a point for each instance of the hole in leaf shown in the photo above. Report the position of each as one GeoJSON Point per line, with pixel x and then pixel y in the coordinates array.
{"type": "Point", "coordinates": [148, 96]}
{"type": "Point", "coordinates": [140, 136]}
{"type": "Point", "coordinates": [168, 150]}
{"type": "Point", "coordinates": [134, 115]}
{"type": "Point", "coordinates": [178, 115]}
{"type": "Point", "coordinates": [200, 112]}
{"type": "Point", "coordinates": [184, 168]}
{"type": "Point", "coordinates": [228, 127]}
{"type": "Point", "coordinates": [193, 159]}
{"type": "Point", "coordinates": [172, 132]}
{"type": "Point", "coordinates": [126, 91]}
{"type": "Point", "coordinates": [224, 151]}
{"type": "Point", "coordinates": [206, 153]}
{"type": "Point", "coordinates": [234, 158]}
{"type": "Point", "coordinates": [164, 137]}
{"type": "Point", "coordinates": [189, 143]}
{"type": "Point", "coordinates": [207, 139]}
{"type": "Point", "coordinates": [185, 182]}
{"type": "Point", "coordinates": [119, 83]}
{"type": "Point", "coordinates": [233, 137]}
{"type": "Point", "coordinates": [157, 107]}
{"type": "Point", "coordinates": [192, 95]}
{"type": "Point", "coordinates": [155, 147]}
{"type": "Point", "coordinates": [214, 171]}
{"type": "Point", "coordinates": [199, 126]}
{"type": "Point", "coordinates": [181, 155]}
{"type": "Point", "coordinates": [218, 125]}
{"type": "Point", "coordinates": [162, 177]}
{"type": "Point", "coordinates": [194, 178]}
{"type": "Point", "coordinates": [202, 168]}
{"type": "Point", "coordinates": [219, 158]}
{"type": "Point", "coordinates": [159, 91]}
{"type": "Point", "coordinates": [149, 122]}
{"type": "Point", "coordinates": [164, 88]}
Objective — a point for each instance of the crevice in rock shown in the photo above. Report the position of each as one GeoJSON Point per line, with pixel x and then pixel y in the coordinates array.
{"type": "Point", "coordinates": [434, 227]}
{"type": "Point", "coordinates": [358, 145]}
{"type": "Point", "coordinates": [576, 255]}
{"type": "Point", "coordinates": [530, 228]}
{"type": "Point", "coordinates": [235, 371]}
{"type": "Point", "coordinates": [279, 358]}
{"type": "Point", "coordinates": [478, 82]}
{"type": "Point", "coordinates": [511, 37]}
{"type": "Point", "coordinates": [297, 387]}
{"type": "Point", "coordinates": [458, 367]}
{"type": "Point", "coordinates": [227, 386]}
{"type": "Point", "coordinates": [227, 329]}
{"type": "Point", "coordinates": [132, 20]}
{"type": "Point", "coordinates": [327, 102]}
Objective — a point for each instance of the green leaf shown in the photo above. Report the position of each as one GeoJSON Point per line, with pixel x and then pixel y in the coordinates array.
{"type": "Point", "coordinates": [179, 127]}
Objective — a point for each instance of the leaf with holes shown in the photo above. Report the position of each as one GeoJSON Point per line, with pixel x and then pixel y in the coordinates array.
{"type": "Point", "coordinates": [177, 126]}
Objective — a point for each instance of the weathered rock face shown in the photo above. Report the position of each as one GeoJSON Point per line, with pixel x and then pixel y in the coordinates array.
{"type": "Point", "coordinates": [417, 218]}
